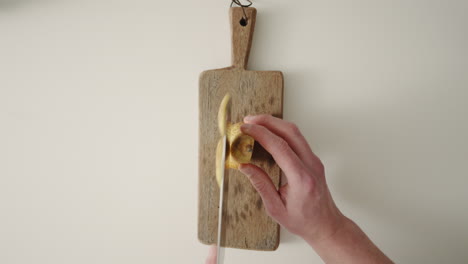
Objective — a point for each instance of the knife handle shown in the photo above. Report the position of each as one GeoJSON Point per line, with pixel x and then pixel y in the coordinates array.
{"type": "Point", "coordinates": [242, 33]}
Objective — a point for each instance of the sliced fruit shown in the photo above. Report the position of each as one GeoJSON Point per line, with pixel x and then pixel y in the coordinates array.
{"type": "Point", "coordinates": [219, 157]}
{"type": "Point", "coordinates": [223, 114]}
{"type": "Point", "coordinates": [239, 147]}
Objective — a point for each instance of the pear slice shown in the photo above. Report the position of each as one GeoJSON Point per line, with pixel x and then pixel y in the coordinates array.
{"type": "Point", "coordinates": [223, 114]}
{"type": "Point", "coordinates": [239, 147]}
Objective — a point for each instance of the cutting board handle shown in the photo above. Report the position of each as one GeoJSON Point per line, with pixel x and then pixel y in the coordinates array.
{"type": "Point", "coordinates": [242, 33]}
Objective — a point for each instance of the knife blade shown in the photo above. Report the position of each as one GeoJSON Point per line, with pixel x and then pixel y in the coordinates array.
{"type": "Point", "coordinates": [219, 248]}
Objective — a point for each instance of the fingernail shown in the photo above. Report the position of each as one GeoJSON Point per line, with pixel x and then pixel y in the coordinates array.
{"type": "Point", "coordinates": [248, 118]}
{"type": "Point", "coordinates": [245, 127]}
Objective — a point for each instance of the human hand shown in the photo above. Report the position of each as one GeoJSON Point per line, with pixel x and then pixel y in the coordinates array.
{"type": "Point", "coordinates": [303, 205]}
{"type": "Point", "coordinates": [212, 254]}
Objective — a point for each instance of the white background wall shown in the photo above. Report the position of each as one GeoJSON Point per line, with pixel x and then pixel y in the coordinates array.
{"type": "Point", "coordinates": [98, 123]}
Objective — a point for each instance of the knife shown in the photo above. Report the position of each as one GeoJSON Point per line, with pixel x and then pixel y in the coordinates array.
{"type": "Point", "coordinates": [219, 249]}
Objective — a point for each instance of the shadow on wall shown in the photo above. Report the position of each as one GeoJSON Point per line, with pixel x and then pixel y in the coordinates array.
{"type": "Point", "coordinates": [381, 170]}
{"type": "Point", "coordinates": [6, 5]}
{"type": "Point", "coordinates": [427, 228]}
{"type": "Point", "coordinates": [426, 234]}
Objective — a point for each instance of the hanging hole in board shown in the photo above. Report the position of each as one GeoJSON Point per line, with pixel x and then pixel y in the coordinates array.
{"type": "Point", "coordinates": [243, 22]}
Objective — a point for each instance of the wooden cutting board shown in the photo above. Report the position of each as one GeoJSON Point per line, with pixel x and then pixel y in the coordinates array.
{"type": "Point", "coordinates": [245, 222]}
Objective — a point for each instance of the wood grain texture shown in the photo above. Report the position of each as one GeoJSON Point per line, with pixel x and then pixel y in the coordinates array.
{"type": "Point", "coordinates": [245, 222]}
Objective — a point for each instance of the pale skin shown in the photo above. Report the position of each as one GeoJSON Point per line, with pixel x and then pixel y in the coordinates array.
{"type": "Point", "coordinates": [304, 205]}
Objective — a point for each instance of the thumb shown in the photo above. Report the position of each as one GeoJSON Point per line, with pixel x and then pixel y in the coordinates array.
{"type": "Point", "coordinates": [265, 187]}
{"type": "Point", "coordinates": [212, 255]}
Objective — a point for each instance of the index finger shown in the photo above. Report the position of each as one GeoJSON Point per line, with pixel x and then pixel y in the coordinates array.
{"type": "Point", "coordinates": [282, 153]}
{"type": "Point", "coordinates": [291, 133]}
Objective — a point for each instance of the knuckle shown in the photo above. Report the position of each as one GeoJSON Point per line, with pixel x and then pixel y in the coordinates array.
{"type": "Point", "coordinates": [259, 185]}
{"type": "Point", "coordinates": [318, 167]}
{"type": "Point", "coordinates": [263, 118]}
{"type": "Point", "coordinates": [309, 184]}
{"type": "Point", "coordinates": [282, 145]}
{"type": "Point", "coordinates": [321, 168]}
{"type": "Point", "coordinates": [294, 129]}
